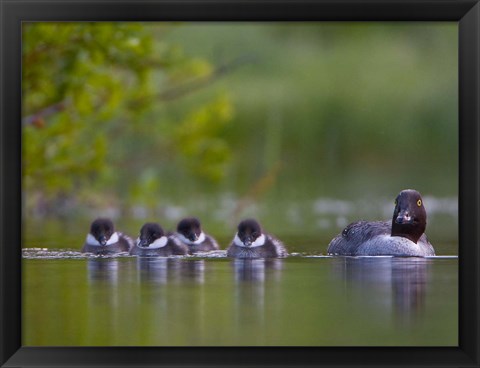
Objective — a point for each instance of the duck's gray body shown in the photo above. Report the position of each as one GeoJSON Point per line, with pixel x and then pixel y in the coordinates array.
{"type": "Point", "coordinates": [365, 238]}
{"type": "Point", "coordinates": [272, 248]}
{"type": "Point", "coordinates": [123, 244]}
{"type": "Point", "coordinates": [207, 245]}
{"type": "Point", "coordinates": [154, 242]}
{"type": "Point", "coordinates": [403, 236]}
{"type": "Point", "coordinates": [174, 247]}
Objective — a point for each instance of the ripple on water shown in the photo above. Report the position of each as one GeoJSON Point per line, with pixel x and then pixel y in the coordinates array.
{"type": "Point", "coordinates": [46, 253]}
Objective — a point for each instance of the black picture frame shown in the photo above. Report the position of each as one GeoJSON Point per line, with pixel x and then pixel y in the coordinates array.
{"type": "Point", "coordinates": [14, 12]}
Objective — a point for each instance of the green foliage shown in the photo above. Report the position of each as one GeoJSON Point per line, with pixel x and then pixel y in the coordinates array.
{"type": "Point", "coordinates": [199, 138]}
{"type": "Point", "coordinates": [144, 188]}
{"type": "Point", "coordinates": [340, 105]}
{"type": "Point", "coordinates": [334, 106]}
{"type": "Point", "coordinates": [89, 91]}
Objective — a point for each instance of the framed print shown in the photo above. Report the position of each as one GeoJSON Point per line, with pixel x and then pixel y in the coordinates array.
{"type": "Point", "coordinates": [239, 183]}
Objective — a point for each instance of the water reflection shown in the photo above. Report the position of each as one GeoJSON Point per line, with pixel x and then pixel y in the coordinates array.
{"type": "Point", "coordinates": [144, 292]}
{"type": "Point", "coordinates": [257, 293]}
{"type": "Point", "coordinates": [396, 285]}
{"type": "Point", "coordinates": [148, 269]}
{"type": "Point", "coordinates": [255, 269]}
{"type": "Point", "coordinates": [155, 270]}
{"type": "Point", "coordinates": [194, 270]}
{"type": "Point", "coordinates": [104, 298]}
{"type": "Point", "coordinates": [103, 270]}
{"type": "Point", "coordinates": [170, 270]}
{"type": "Point", "coordinates": [211, 302]}
{"type": "Point", "coordinates": [171, 289]}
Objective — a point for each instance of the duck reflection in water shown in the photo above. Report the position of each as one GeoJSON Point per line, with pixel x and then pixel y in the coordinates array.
{"type": "Point", "coordinates": [256, 286]}
{"type": "Point", "coordinates": [256, 269]}
{"type": "Point", "coordinates": [103, 270]}
{"type": "Point", "coordinates": [397, 285]}
{"type": "Point", "coordinates": [194, 270]}
{"type": "Point", "coordinates": [104, 295]}
{"type": "Point", "coordinates": [170, 270]}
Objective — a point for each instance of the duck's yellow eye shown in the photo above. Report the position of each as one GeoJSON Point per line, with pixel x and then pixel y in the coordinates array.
{"type": "Point", "coordinates": [419, 202]}
{"type": "Point", "coordinates": [396, 202]}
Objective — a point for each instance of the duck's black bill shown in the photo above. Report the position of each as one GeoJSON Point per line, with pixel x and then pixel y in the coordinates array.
{"type": "Point", "coordinates": [404, 218]}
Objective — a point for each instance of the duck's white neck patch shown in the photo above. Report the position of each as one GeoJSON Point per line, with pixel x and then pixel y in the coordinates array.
{"type": "Point", "coordinates": [257, 243]}
{"type": "Point", "coordinates": [158, 243]}
{"type": "Point", "coordinates": [92, 241]}
{"type": "Point", "coordinates": [201, 239]}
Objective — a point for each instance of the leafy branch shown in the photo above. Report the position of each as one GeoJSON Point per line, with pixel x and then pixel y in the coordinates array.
{"type": "Point", "coordinates": [38, 119]}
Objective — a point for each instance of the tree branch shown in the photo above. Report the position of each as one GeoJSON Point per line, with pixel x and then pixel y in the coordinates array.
{"type": "Point", "coordinates": [37, 119]}
{"type": "Point", "coordinates": [196, 84]}
{"type": "Point", "coordinates": [173, 93]}
{"type": "Point", "coordinates": [256, 190]}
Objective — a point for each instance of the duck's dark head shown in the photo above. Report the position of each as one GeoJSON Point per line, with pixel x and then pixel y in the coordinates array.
{"type": "Point", "coordinates": [190, 228]}
{"type": "Point", "coordinates": [409, 217]}
{"type": "Point", "coordinates": [150, 232]}
{"type": "Point", "coordinates": [248, 231]}
{"type": "Point", "coordinates": [102, 229]}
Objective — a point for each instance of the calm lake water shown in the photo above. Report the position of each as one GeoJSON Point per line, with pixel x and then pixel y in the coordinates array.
{"type": "Point", "coordinates": [69, 299]}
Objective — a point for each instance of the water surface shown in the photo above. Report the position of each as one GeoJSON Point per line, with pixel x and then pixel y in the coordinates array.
{"type": "Point", "coordinates": [70, 299]}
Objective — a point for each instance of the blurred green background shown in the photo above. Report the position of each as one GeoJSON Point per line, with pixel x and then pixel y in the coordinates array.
{"type": "Point", "coordinates": [307, 126]}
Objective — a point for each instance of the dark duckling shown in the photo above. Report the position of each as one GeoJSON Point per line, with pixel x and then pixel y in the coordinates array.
{"type": "Point", "coordinates": [103, 239]}
{"type": "Point", "coordinates": [190, 233]}
{"type": "Point", "coordinates": [154, 242]}
{"type": "Point", "coordinates": [251, 242]}
{"type": "Point", "coordinates": [403, 236]}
